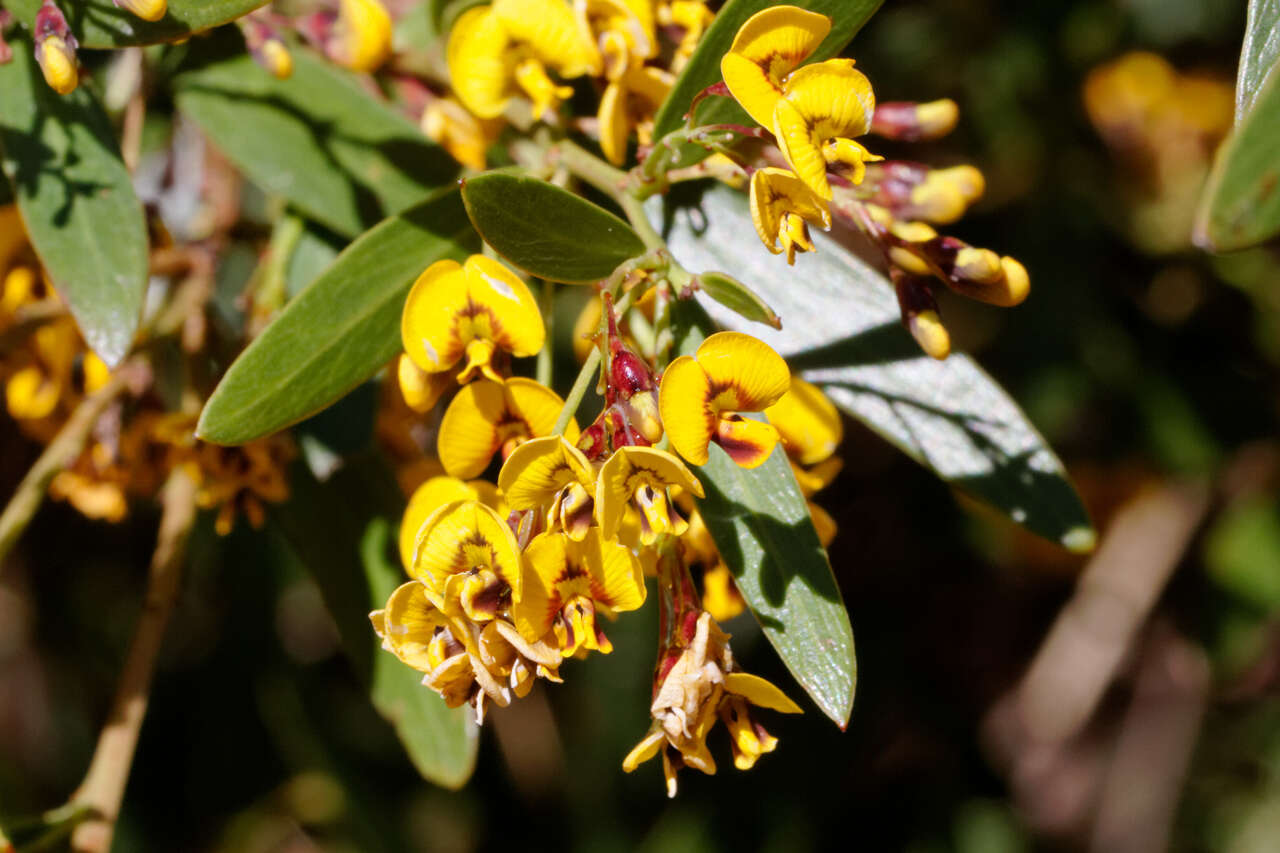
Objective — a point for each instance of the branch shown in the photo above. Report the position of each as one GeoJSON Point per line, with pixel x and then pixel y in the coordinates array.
{"type": "Point", "coordinates": [103, 786]}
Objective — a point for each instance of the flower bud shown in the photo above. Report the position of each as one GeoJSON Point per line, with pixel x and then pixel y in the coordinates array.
{"type": "Point", "coordinates": [147, 10]}
{"type": "Point", "coordinates": [920, 315]}
{"type": "Point", "coordinates": [911, 122]}
{"type": "Point", "coordinates": [361, 37]}
{"type": "Point", "coordinates": [275, 57]}
{"type": "Point", "coordinates": [56, 49]}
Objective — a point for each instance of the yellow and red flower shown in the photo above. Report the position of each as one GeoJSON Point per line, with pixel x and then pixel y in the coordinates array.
{"type": "Point", "coordinates": [487, 417]}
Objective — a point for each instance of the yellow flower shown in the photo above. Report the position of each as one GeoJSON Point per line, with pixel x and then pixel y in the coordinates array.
{"type": "Point", "coordinates": [566, 582]}
{"type": "Point", "coordinates": [628, 103]}
{"type": "Point", "coordinates": [814, 111]}
{"type": "Point", "coordinates": [361, 37]}
{"type": "Point", "coordinates": [498, 50]}
{"type": "Point", "coordinates": [474, 309]}
{"type": "Point", "coordinates": [435, 493]}
{"type": "Point", "coordinates": [640, 476]}
{"type": "Point", "coordinates": [623, 30]}
{"type": "Point", "coordinates": [467, 557]}
{"type": "Point", "coordinates": [691, 17]}
{"type": "Point", "coordinates": [147, 10]}
{"type": "Point", "coordinates": [720, 595]}
{"type": "Point", "coordinates": [550, 474]}
{"type": "Point", "coordinates": [808, 424]}
{"type": "Point", "coordinates": [701, 396]}
{"type": "Point", "coordinates": [466, 137]}
{"type": "Point", "coordinates": [486, 417]}
{"type": "Point", "coordinates": [782, 208]}
{"type": "Point", "coordinates": [700, 687]}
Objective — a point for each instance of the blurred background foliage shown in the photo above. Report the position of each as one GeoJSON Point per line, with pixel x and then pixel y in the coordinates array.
{"type": "Point", "coordinates": [1152, 368]}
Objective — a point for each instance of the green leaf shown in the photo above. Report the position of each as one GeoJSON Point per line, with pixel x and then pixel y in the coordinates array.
{"type": "Point", "coordinates": [340, 330]}
{"type": "Point", "coordinates": [77, 201]}
{"type": "Point", "coordinates": [760, 523]}
{"type": "Point", "coordinates": [319, 139]}
{"type": "Point", "coordinates": [1259, 54]}
{"type": "Point", "coordinates": [841, 330]}
{"type": "Point", "coordinates": [1240, 206]}
{"type": "Point", "coordinates": [703, 68]}
{"type": "Point", "coordinates": [548, 231]}
{"type": "Point", "coordinates": [100, 24]}
{"type": "Point", "coordinates": [343, 530]}
{"type": "Point", "coordinates": [737, 297]}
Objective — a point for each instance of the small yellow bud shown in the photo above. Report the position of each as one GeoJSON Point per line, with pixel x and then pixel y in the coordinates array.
{"type": "Point", "coordinates": [147, 10]}
{"type": "Point", "coordinates": [362, 35]}
{"type": "Point", "coordinates": [967, 179]}
{"type": "Point", "coordinates": [58, 64]}
{"type": "Point", "coordinates": [937, 118]}
{"type": "Point", "coordinates": [276, 59]}
{"type": "Point", "coordinates": [1017, 284]}
{"type": "Point", "coordinates": [908, 262]}
{"type": "Point", "coordinates": [926, 327]}
{"type": "Point", "coordinates": [912, 232]}
{"type": "Point", "coordinates": [981, 266]}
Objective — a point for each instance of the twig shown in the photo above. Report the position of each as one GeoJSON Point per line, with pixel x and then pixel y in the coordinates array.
{"type": "Point", "coordinates": [103, 786]}
{"type": "Point", "coordinates": [61, 452]}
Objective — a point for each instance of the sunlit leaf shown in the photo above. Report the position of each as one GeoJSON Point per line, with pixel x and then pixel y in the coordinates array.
{"type": "Point", "coordinates": [319, 139]}
{"type": "Point", "coordinates": [761, 526]}
{"type": "Point", "coordinates": [1241, 202]}
{"type": "Point", "coordinates": [77, 201]}
{"type": "Point", "coordinates": [343, 530]}
{"type": "Point", "coordinates": [340, 330]}
{"type": "Point", "coordinates": [841, 330]}
{"type": "Point", "coordinates": [548, 231]}
{"type": "Point", "coordinates": [703, 68]}
{"type": "Point", "coordinates": [100, 23]}
{"type": "Point", "coordinates": [1259, 54]}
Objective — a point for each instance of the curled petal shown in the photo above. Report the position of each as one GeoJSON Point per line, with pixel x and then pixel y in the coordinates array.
{"type": "Point", "coordinates": [615, 129]}
{"type": "Point", "coordinates": [408, 627]}
{"type": "Point", "coordinates": [421, 390]}
{"type": "Point", "coordinates": [777, 194]}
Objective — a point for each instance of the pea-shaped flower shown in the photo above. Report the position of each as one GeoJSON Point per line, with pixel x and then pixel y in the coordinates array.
{"type": "Point", "coordinates": [435, 493]}
{"type": "Point", "coordinates": [566, 582]}
{"type": "Point", "coordinates": [641, 476]}
{"type": "Point", "coordinates": [468, 559]}
{"type": "Point", "coordinates": [701, 397]}
{"type": "Point", "coordinates": [814, 111]}
{"type": "Point", "coordinates": [782, 209]}
{"type": "Point", "coordinates": [472, 310]}
{"type": "Point", "coordinates": [550, 474]}
{"type": "Point", "coordinates": [486, 417]}
{"type": "Point", "coordinates": [497, 51]}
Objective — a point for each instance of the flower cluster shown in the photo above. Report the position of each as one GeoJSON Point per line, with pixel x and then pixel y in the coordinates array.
{"type": "Point", "coordinates": [513, 575]}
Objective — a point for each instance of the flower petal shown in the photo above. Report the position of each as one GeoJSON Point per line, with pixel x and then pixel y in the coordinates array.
{"type": "Point", "coordinates": [469, 434]}
{"type": "Point", "coordinates": [614, 125]}
{"type": "Point", "coordinates": [769, 46]}
{"type": "Point", "coordinates": [409, 624]}
{"type": "Point", "coordinates": [684, 400]}
{"type": "Point", "coordinates": [557, 37]}
{"type": "Point", "coordinates": [428, 324]}
{"type": "Point", "coordinates": [539, 468]}
{"type": "Point", "coordinates": [745, 373]}
{"type": "Point", "coordinates": [481, 62]}
{"type": "Point", "coordinates": [801, 147]}
{"type": "Point", "coordinates": [760, 692]}
{"type": "Point", "coordinates": [463, 536]}
{"type": "Point", "coordinates": [807, 422]}
{"type": "Point", "coordinates": [539, 407]}
{"type": "Point", "coordinates": [628, 470]}
{"type": "Point", "coordinates": [544, 561]}
{"type": "Point", "coordinates": [514, 321]}
{"type": "Point", "coordinates": [747, 441]}
{"type": "Point", "coordinates": [617, 581]}
{"type": "Point", "coordinates": [421, 390]}
{"type": "Point", "coordinates": [426, 499]}
{"type": "Point", "coordinates": [834, 98]}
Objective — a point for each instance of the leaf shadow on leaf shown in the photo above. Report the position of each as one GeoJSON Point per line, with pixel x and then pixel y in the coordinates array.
{"type": "Point", "coordinates": [35, 161]}
{"type": "Point", "coordinates": [771, 532]}
{"type": "Point", "coordinates": [881, 344]}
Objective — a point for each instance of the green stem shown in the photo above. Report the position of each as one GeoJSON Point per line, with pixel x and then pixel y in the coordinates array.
{"type": "Point", "coordinates": [546, 304]}
{"type": "Point", "coordinates": [615, 183]}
